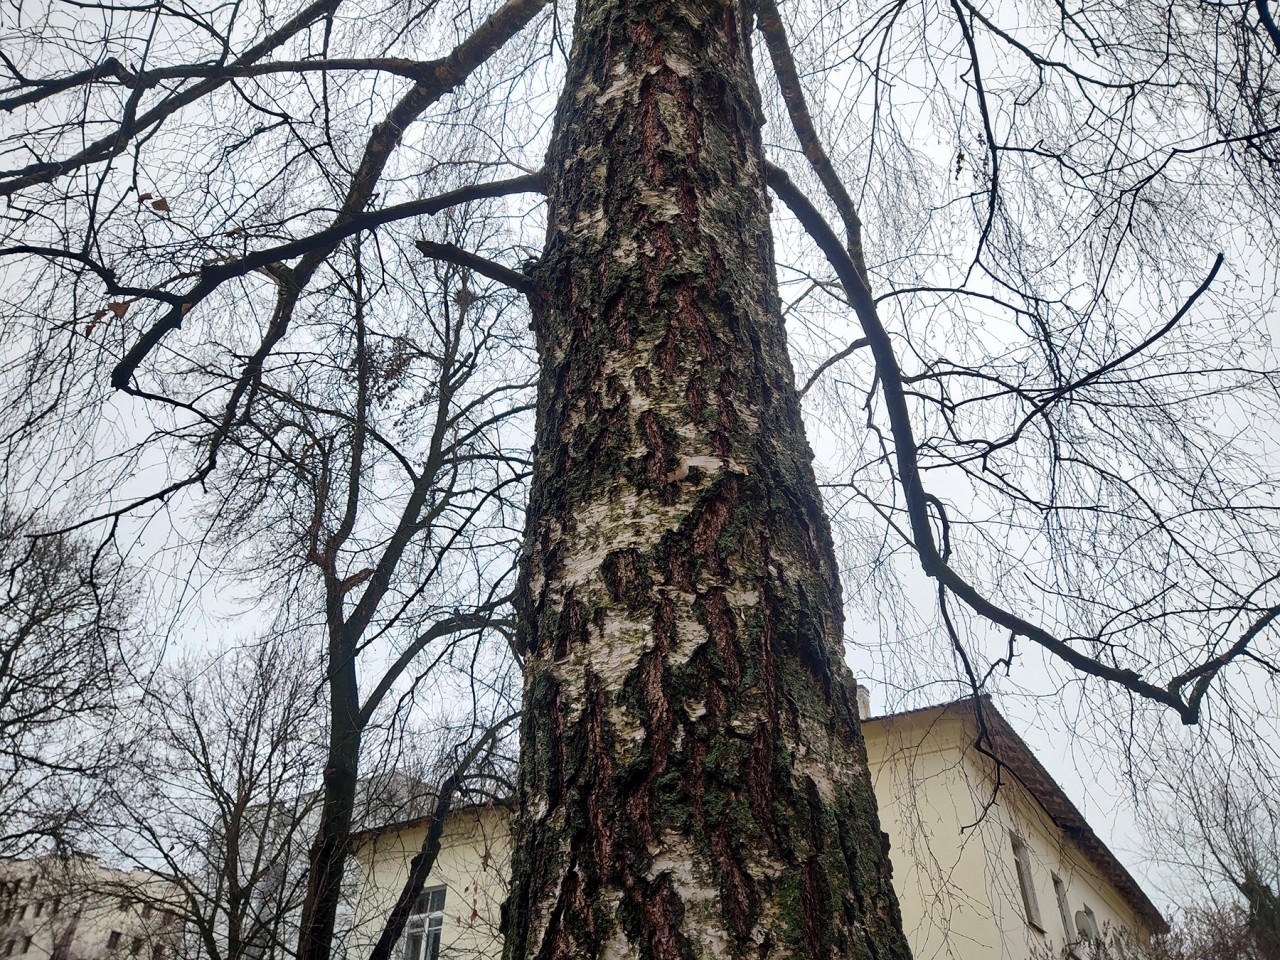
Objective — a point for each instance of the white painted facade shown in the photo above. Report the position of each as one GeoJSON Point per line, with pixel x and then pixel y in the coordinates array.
{"type": "Point", "coordinates": [78, 909]}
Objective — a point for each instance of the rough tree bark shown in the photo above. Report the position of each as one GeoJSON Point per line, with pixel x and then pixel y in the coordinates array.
{"type": "Point", "coordinates": [693, 778]}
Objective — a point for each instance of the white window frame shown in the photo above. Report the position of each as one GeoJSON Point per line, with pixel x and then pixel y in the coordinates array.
{"type": "Point", "coordinates": [1022, 864]}
{"type": "Point", "coordinates": [1064, 910]}
{"type": "Point", "coordinates": [422, 931]}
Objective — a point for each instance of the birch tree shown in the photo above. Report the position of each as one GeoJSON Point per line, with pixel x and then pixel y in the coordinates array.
{"type": "Point", "coordinates": [1021, 275]}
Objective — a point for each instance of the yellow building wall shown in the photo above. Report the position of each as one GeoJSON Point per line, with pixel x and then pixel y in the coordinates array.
{"type": "Point", "coordinates": [952, 853]}
{"type": "Point", "coordinates": [473, 866]}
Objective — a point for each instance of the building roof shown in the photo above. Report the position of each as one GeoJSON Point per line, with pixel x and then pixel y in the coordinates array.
{"type": "Point", "coordinates": [359, 837]}
{"type": "Point", "coordinates": [1002, 743]}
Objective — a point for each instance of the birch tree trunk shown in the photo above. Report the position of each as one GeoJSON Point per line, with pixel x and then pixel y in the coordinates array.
{"type": "Point", "coordinates": [693, 781]}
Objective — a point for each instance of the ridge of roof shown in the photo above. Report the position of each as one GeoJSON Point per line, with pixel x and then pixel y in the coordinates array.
{"type": "Point", "coordinates": [1007, 748]}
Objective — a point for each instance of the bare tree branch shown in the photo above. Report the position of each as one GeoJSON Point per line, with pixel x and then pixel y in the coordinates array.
{"type": "Point", "coordinates": [917, 500]}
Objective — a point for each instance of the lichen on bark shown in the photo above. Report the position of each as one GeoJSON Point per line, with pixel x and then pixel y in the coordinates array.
{"type": "Point", "coordinates": [693, 782]}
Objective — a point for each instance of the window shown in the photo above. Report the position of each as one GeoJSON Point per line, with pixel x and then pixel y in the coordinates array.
{"type": "Point", "coordinates": [22, 911]}
{"type": "Point", "coordinates": [26, 945]}
{"type": "Point", "coordinates": [8, 948]}
{"type": "Point", "coordinates": [1064, 911]}
{"type": "Point", "coordinates": [1022, 861]}
{"type": "Point", "coordinates": [157, 952]}
{"type": "Point", "coordinates": [39, 908]}
{"type": "Point", "coordinates": [55, 906]}
{"type": "Point", "coordinates": [422, 932]}
{"type": "Point", "coordinates": [124, 903]}
{"type": "Point", "coordinates": [113, 941]}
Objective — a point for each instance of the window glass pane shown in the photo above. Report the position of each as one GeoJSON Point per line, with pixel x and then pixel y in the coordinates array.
{"type": "Point", "coordinates": [422, 932]}
{"type": "Point", "coordinates": [432, 951]}
{"type": "Point", "coordinates": [413, 942]}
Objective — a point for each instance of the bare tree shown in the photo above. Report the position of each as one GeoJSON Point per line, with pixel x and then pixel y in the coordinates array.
{"type": "Point", "coordinates": [222, 805]}
{"type": "Point", "coordinates": [221, 801]}
{"type": "Point", "coordinates": [392, 497]}
{"type": "Point", "coordinates": [1208, 933]}
{"type": "Point", "coordinates": [1215, 824]}
{"type": "Point", "coordinates": [67, 652]}
{"type": "Point", "coordinates": [221, 217]}
{"type": "Point", "coordinates": [1056, 384]}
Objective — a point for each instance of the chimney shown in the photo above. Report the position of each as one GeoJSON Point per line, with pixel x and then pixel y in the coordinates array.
{"type": "Point", "coordinates": [864, 702]}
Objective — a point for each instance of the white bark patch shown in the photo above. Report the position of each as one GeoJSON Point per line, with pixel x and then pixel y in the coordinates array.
{"type": "Point", "coordinates": [817, 772]}
{"type": "Point", "coordinates": [587, 89]}
{"type": "Point", "coordinates": [615, 89]}
{"type": "Point", "coordinates": [615, 520]}
{"type": "Point", "coordinates": [615, 654]}
{"type": "Point", "coordinates": [625, 83]}
{"type": "Point", "coordinates": [678, 65]}
{"type": "Point", "coordinates": [690, 635]}
{"type": "Point", "coordinates": [617, 947]}
{"type": "Point", "coordinates": [611, 656]}
{"type": "Point", "coordinates": [738, 597]}
{"type": "Point", "coordinates": [626, 253]}
{"type": "Point", "coordinates": [663, 205]}
{"type": "Point", "coordinates": [673, 855]}
{"type": "Point", "coordinates": [593, 225]}
{"type": "Point", "coordinates": [706, 465]}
